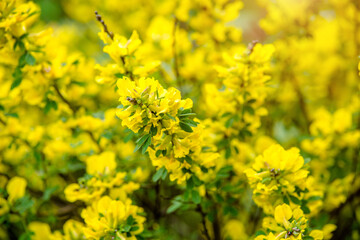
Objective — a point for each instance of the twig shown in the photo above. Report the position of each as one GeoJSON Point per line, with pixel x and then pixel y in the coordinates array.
{"type": "Point", "coordinates": [2, 121]}
{"type": "Point", "coordinates": [95, 141]}
{"type": "Point", "coordinates": [111, 35]}
{"type": "Point", "coordinates": [203, 220]}
{"type": "Point", "coordinates": [73, 108]}
{"type": "Point", "coordinates": [98, 17]}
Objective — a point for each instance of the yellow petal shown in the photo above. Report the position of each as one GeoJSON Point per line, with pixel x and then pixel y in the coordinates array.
{"type": "Point", "coordinates": [282, 213]}
{"type": "Point", "coordinates": [317, 234]}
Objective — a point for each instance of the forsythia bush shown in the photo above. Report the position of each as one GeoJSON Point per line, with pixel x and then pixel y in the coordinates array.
{"type": "Point", "coordinates": [199, 119]}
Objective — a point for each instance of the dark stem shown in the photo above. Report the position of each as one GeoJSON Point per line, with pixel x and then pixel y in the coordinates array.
{"type": "Point", "coordinates": [2, 121]}
{"type": "Point", "coordinates": [72, 107]}
{"type": "Point", "coordinates": [157, 210]}
{"type": "Point", "coordinates": [127, 72]}
{"type": "Point", "coordinates": [98, 17]}
{"type": "Point", "coordinates": [95, 141]}
{"type": "Point", "coordinates": [216, 226]}
{"type": "Point", "coordinates": [203, 220]}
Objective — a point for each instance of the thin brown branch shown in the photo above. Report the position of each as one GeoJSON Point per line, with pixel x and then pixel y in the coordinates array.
{"type": "Point", "coordinates": [203, 220]}
{"type": "Point", "coordinates": [3, 122]}
{"type": "Point", "coordinates": [95, 141]}
{"type": "Point", "coordinates": [71, 106]}
{"type": "Point", "coordinates": [99, 18]}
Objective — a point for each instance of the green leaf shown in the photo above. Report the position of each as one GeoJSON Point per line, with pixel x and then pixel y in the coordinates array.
{"type": "Point", "coordinates": [230, 210]}
{"type": "Point", "coordinates": [82, 84]}
{"type": "Point", "coordinates": [153, 130]}
{"type": "Point", "coordinates": [29, 59]}
{"type": "Point", "coordinates": [158, 153]}
{"type": "Point", "coordinates": [286, 200]}
{"type": "Point", "coordinates": [204, 169]}
{"type": "Point", "coordinates": [76, 62]}
{"type": "Point", "coordinates": [2, 108]}
{"type": "Point", "coordinates": [186, 114]}
{"type": "Point", "coordinates": [48, 192]}
{"type": "Point", "coordinates": [227, 152]}
{"type": "Point", "coordinates": [230, 122]}
{"type": "Point", "coordinates": [158, 174]}
{"type": "Point", "coordinates": [249, 110]}
{"type": "Point", "coordinates": [196, 181]}
{"type": "Point", "coordinates": [146, 145]}
{"type": "Point", "coordinates": [295, 200]}
{"type": "Point", "coordinates": [119, 75]}
{"type": "Point", "coordinates": [314, 198]}
{"type": "Point", "coordinates": [195, 197]}
{"type": "Point", "coordinates": [219, 198]}
{"type": "Point", "coordinates": [130, 220]}
{"type": "Point", "coordinates": [171, 117]}
{"type": "Point", "coordinates": [190, 183]}
{"type": "Point", "coordinates": [141, 141]}
{"type": "Point", "coordinates": [184, 111]}
{"type": "Point", "coordinates": [266, 179]}
{"type": "Point", "coordinates": [305, 209]}
{"type": "Point", "coordinates": [211, 215]}
{"type": "Point", "coordinates": [16, 83]}
{"type": "Point", "coordinates": [134, 228]}
{"type": "Point", "coordinates": [245, 132]}
{"type": "Point", "coordinates": [260, 232]}
{"type": "Point", "coordinates": [17, 75]}
{"type": "Point", "coordinates": [190, 122]}
{"type": "Point", "coordinates": [164, 174]}
{"type": "Point", "coordinates": [188, 159]}
{"type": "Point", "coordinates": [14, 115]}
{"type": "Point", "coordinates": [26, 236]}
{"type": "Point", "coordinates": [126, 228]}
{"type": "Point", "coordinates": [225, 170]}
{"type": "Point", "coordinates": [19, 43]}
{"type": "Point", "coordinates": [50, 104]}
{"type": "Point", "coordinates": [23, 204]}
{"type": "Point", "coordinates": [174, 206]}
{"type": "Point", "coordinates": [38, 157]}
{"type": "Point", "coordinates": [185, 127]}
{"type": "Point", "coordinates": [129, 137]}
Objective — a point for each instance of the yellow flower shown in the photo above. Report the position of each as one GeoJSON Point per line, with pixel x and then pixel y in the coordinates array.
{"type": "Point", "coordinates": [73, 230]}
{"type": "Point", "coordinates": [16, 188]}
{"type": "Point", "coordinates": [235, 229]}
{"type": "Point", "coordinates": [103, 164]}
{"type": "Point", "coordinates": [107, 217]}
{"type": "Point", "coordinates": [288, 224]}
{"type": "Point", "coordinates": [121, 46]}
{"type": "Point", "coordinates": [74, 192]}
{"type": "Point", "coordinates": [276, 173]}
{"type": "Point", "coordinates": [41, 231]}
{"type": "Point", "coordinates": [317, 234]}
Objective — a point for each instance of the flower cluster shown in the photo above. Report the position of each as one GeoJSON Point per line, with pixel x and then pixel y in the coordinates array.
{"type": "Point", "coordinates": [112, 218]}
{"type": "Point", "coordinates": [288, 223]}
{"type": "Point", "coordinates": [161, 119]}
{"type": "Point", "coordinates": [276, 175]}
{"type": "Point", "coordinates": [101, 175]}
